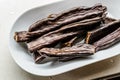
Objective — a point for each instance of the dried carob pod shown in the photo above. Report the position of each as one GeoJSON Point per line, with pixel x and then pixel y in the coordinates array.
{"type": "Point", "coordinates": [81, 50]}
{"type": "Point", "coordinates": [95, 35]}
{"type": "Point", "coordinates": [108, 40]}
{"type": "Point", "coordinates": [68, 16]}
{"type": "Point", "coordinates": [49, 40]}
{"type": "Point", "coordinates": [77, 11]}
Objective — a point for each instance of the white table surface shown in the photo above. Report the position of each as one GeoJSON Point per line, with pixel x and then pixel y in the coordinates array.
{"type": "Point", "coordinates": [10, 10]}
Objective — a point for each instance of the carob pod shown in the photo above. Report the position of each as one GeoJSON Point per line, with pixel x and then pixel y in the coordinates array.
{"type": "Point", "coordinates": [108, 40]}
{"type": "Point", "coordinates": [95, 35]}
{"type": "Point", "coordinates": [59, 24]}
{"type": "Point", "coordinates": [85, 24]}
{"type": "Point", "coordinates": [49, 40]}
{"type": "Point", "coordinates": [21, 36]}
{"type": "Point", "coordinates": [81, 50]}
{"type": "Point", "coordinates": [66, 17]}
{"type": "Point", "coordinates": [77, 11]}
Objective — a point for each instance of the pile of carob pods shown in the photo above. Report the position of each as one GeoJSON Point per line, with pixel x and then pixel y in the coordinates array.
{"type": "Point", "coordinates": [76, 33]}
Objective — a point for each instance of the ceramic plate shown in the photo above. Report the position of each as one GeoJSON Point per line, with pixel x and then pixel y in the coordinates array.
{"type": "Point", "coordinates": [26, 62]}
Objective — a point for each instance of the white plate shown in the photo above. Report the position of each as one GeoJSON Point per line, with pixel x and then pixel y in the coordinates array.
{"type": "Point", "coordinates": [25, 61]}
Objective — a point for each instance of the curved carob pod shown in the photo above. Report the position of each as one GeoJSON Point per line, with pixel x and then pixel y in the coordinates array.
{"type": "Point", "coordinates": [77, 11]}
{"type": "Point", "coordinates": [95, 35]}
{"type": "Point", "coordinates": [108, 40]}
{"type": "Point", "coordinates": [81, 50]}
{"type": "Point", "coordinates": [21, 36]}
{"type": "Point", "coordinates": [61, 18]}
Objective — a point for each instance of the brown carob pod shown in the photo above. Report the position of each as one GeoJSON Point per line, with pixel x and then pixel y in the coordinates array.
{"type": "Point", "coordinates": [67, 17]}
{"type": "Point", "coordinates": [77, 50]}
{"type": "Point", "coordinates": [21, 36]}
{"type": "Point", "coordinates": [108, 40]}
{"type": "Point", "coordinates": [77, 11]}
{"type": "Point", "coordinates": [49, 40]}
{"type": "Point", "coordinates": [95, 35]}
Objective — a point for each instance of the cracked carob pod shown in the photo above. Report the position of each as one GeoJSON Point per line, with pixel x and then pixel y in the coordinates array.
{"type": "Point", "coordinates": [95, 35]}
{"type": "Point", "coordinates": [108, 40]}
{"type": "Point", "coordinates": [77, 50]}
